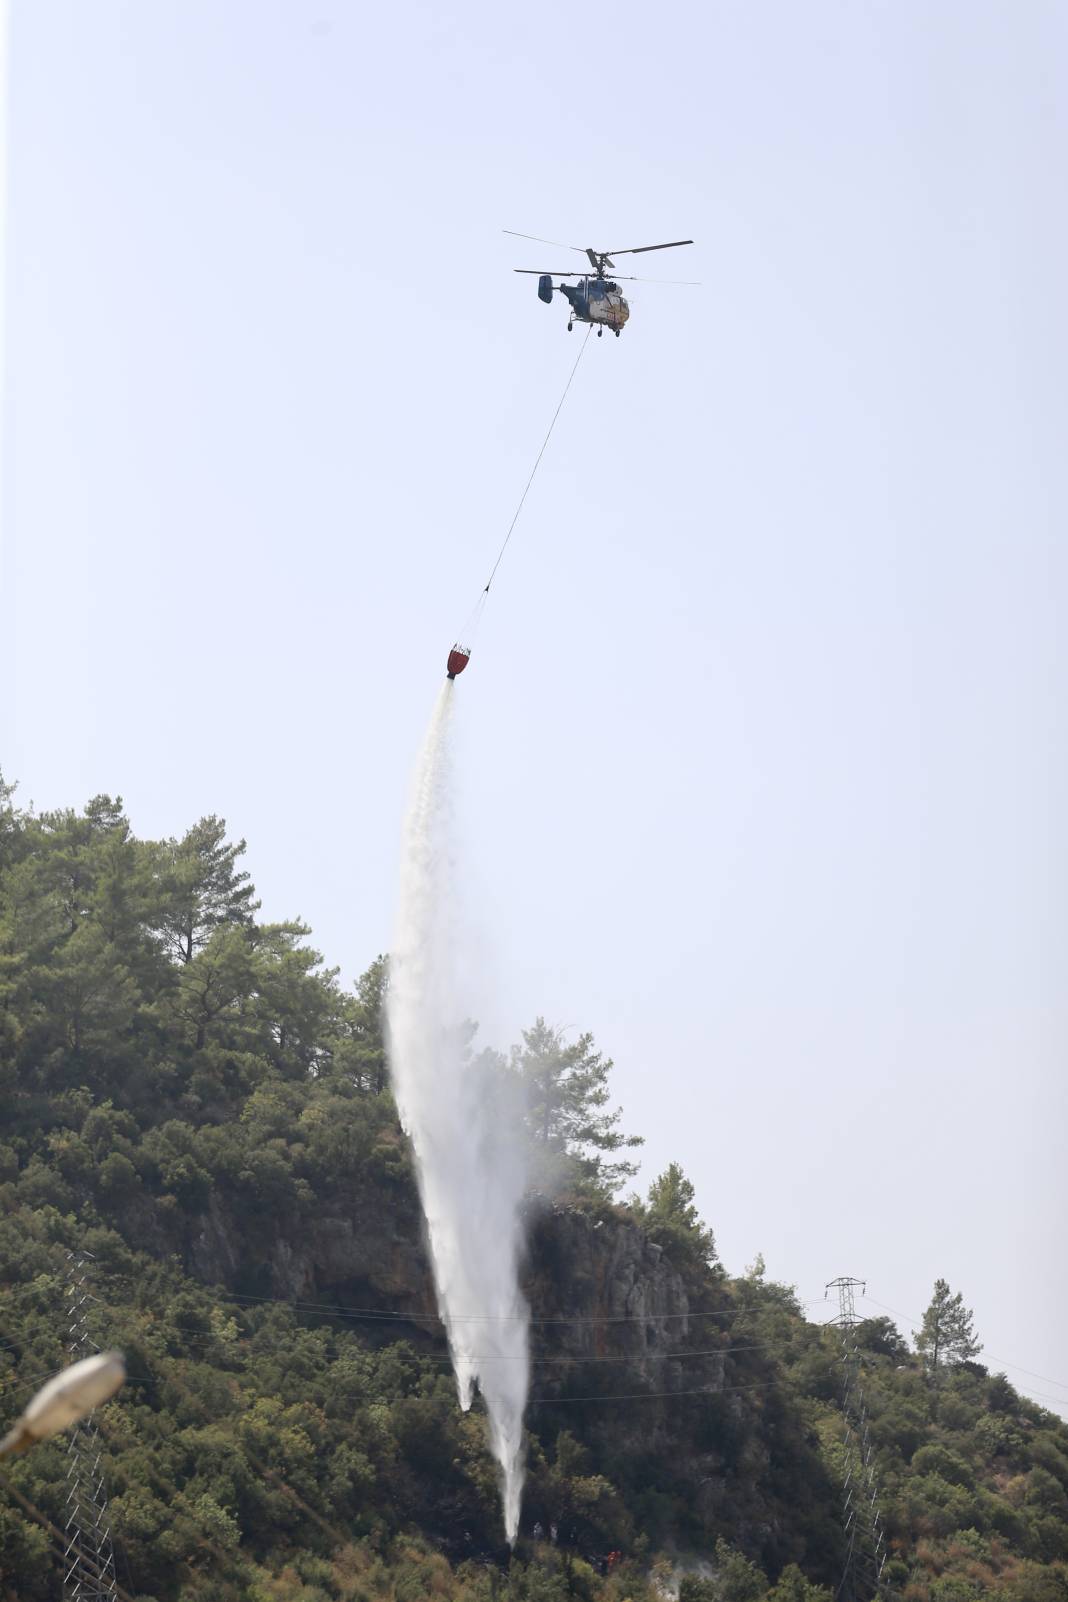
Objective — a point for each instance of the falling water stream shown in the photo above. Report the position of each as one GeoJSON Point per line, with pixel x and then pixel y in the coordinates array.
{"type": "Point", "coordinates": [467, 1141]}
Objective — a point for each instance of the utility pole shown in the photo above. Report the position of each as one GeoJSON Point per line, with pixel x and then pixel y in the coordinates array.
{"type": "Point", "coordinates": [865, 1562]}
{"type": "Point", "coordinates": [89, 1575]}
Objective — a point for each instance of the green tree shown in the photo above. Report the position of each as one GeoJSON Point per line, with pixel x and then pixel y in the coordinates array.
{"type": "Point", "coordinates": [123, 873]}
{"type": "Point", "coordinates": [881, 1335]}
{"type": "Point", "coordinates": [214, 984]}
{"type": "Point", "coordinates": [671, 1215]}
{"type": "Point", "coordinates": [793, 1587]}
{"type": "Point", "coordinates": [89, 994]}
{"type": "Point", "coordinates": [364, 1050]}
{"type": "Point", "coordinates": [567, 1097]}
{"type": "Point", "coordinates": [10, 824]}
{"type": "Point", "coordinates": [50, 878]}
{"type": "Point", "coordinates": [948, 1333]}
{"type": "Point", "coordinates": [296, 999]}
{"type": "Point", "coordinates": [204, 888]}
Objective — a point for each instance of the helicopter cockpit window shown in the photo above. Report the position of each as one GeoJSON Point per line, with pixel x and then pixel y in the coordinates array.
{"type": "Point", "coordinates": [597, 291]}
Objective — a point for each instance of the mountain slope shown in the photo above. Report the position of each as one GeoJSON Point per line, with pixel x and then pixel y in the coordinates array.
{"type": "Point", "coordinates": [189, 1097]}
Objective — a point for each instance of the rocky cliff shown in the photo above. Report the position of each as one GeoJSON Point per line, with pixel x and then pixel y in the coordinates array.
{"type": "Point", "coordinates": [642, 1359]}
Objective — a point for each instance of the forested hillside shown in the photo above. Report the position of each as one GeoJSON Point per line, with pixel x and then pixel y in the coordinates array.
{"type": "Point", "coordinates": [192, 1099]}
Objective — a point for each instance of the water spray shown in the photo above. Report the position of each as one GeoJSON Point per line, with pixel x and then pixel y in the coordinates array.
{"type": "Point", "coordinates": [464, 1125]}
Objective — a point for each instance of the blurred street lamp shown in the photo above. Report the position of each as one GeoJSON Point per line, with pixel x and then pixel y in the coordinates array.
{"type": "Point", "coordinates": [65, 1399]}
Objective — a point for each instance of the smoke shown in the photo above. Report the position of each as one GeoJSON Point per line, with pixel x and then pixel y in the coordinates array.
{"type": "Point", "coordinates": [464, 1124]}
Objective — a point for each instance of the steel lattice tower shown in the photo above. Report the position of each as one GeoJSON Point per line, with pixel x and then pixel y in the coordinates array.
{"type": "Point", "coordinates": [863, 1579]}
{"type": "Point", "coordinates": [89, 1575]}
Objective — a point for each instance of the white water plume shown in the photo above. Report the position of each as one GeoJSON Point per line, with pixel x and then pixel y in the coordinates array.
{"type": "Point", "coordinates": [463, 1127]}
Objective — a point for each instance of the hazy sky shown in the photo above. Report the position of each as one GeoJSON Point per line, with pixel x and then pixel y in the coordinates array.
{"type": "Point", "coordinates": [762, 761]}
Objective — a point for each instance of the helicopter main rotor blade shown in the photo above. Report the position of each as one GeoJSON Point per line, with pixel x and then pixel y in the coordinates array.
{"type": "Point", "coordinates": [627, 278]}
{"type": "Point", "coordinates": [637, 250]}
{"type": "Point", "coordinates": [539, 241]}
{"type": "Point", "coordinates": [687, 283]}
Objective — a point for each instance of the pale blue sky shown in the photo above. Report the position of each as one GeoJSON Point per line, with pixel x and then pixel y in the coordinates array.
{"type": "Point", "coordinates": [762, 762]}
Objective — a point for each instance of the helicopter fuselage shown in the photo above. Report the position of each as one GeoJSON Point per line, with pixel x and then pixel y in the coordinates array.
{"type": "Point", "coordinates": [596, 300]}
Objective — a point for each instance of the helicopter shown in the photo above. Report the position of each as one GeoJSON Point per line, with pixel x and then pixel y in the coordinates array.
{"type": "Point", "coordinates": [596, 298]}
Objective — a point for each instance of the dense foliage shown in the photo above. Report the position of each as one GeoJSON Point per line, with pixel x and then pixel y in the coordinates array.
{"type": "Point", "coordinates": [192, 1098]}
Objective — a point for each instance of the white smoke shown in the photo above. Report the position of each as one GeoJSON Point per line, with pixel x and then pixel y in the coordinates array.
{"type": "Point", "coordinates": [464, 1129]}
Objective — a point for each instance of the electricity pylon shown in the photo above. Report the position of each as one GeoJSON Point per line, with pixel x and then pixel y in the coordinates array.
{"type": "Point", "coordinates": [89, 1575]}
{"type": "Point", "coordinates": [863, 1579]}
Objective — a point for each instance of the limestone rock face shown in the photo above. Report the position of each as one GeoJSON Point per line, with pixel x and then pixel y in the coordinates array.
{"type": "Point", "coordinates": [352, 1251]}
{"type": "Point", "coordinates": [610, 1288]}
{"type": "Point", "coordinates": [598, 1287]}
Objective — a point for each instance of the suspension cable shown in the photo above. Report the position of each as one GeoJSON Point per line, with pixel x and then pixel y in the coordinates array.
{"type": "Point", "coordinates": [526, 489]}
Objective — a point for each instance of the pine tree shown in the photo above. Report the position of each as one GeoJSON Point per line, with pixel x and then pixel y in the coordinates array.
{"type": "Point", "coordinates": [204, 888]}
{"type": "Point", "coordinates": [89, 995]}
{"type": "Point", "coordinates": [11, 954]}
{"type": "Point", "coordinates": [948, 1332]}
{"type": "Point", "coordinates": [75, 956]}
{"type": "Point", "coordinates": [10, 823]}
{"type": "Point", "coordinates": [66, 856]}
{"type": "Point", "coordinates": [366, 1036]}
{"type": "Point", "coordinates": [567, 1091]}
{"type": "Point", "coordinates": [297, 1000]}
{"type": "Point", "coordinates": [213, 986]}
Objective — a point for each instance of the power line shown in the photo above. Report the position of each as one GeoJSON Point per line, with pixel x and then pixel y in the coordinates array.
{"type": "Point", "coordinates": [648, 1396]}
{"type": "Point", "coordinates": [375, 1314]}
{"type": "Point", "coordinates": [195, 1334]}
{"type": "Point", "coordinates": [555, 1357]}
{"type": "Point", "coordinates": [567, 1401]}
{"type": "Point", "coordinates": [340, 1310]}
{"type": "Point", "coordinates": [167, 1376]}
{"type": "Point", "coordinates": [27, 1381]}
{"type": "Point", "coordinates": [917, 1323]}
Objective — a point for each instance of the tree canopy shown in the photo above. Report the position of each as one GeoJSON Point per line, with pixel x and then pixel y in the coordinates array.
{"type": "Point", "coordinates": [947, 1334]}
{"type": "Point", "coordinates": [573, 1130]}
{"type": "Point", "coordinates": [671, 1217]}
